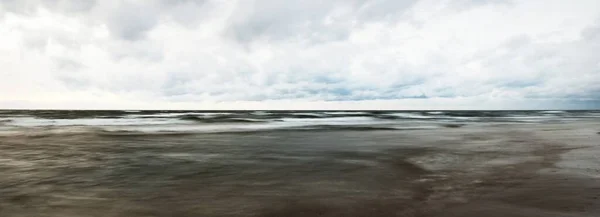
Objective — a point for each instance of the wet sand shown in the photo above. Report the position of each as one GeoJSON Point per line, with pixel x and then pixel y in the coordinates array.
{"type": "Point", "coordinates": [550, 169]}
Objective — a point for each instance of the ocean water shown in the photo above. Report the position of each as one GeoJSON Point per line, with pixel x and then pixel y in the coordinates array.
{"type": "Point", "coordinates": [299, 163]}
{"type": "Point", "coordinates": [138, 122]}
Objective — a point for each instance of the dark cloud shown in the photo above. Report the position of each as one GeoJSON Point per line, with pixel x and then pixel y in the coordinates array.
{"type": "Point", "coordinates": [591, 33]}
{"type": "Point", "coordinates": [387, 10]}
{"type": "Point", "coordinates": [130, 21]}
{"type": "Point", "coordinates": [66, 64]}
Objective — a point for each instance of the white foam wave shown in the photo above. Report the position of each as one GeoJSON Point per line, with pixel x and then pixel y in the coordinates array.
{"type": "Point", "coordinates": [284, 123]}
{"type": "Point", "coordinates": [203, 128]}
{"type": "Point", "coordinates": [411, 115]}
{"type": "Point", "coordinates": [41, 131]}
{"type": "Point", "coordinates": [34, 122]}
{"type": "Point", "coordinates": [231, 128]}
{"type": "Point", "coordinates": [552, 112]}
{"type": "Point", "coordinates": [260, 113]}
{"type": "Point", "coordinates": [345, 113]}
{"type": "Point", "coordinates": [309, 114]}
{"type": "Point", "coordinates": [170, 115]}
{"type": "Point", "coordinates": [333, 121]}
{"type": "Point", "coordinates": [435, 113]}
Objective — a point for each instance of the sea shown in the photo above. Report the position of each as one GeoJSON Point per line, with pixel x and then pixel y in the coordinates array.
{"type": "Point", "coordinates": [198, 122]}
{"type": "Point", "coordinates": [134, 163]}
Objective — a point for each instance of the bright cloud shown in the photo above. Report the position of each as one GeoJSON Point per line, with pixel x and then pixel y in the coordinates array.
{"type": "Point", "coordinates": [288, 54]}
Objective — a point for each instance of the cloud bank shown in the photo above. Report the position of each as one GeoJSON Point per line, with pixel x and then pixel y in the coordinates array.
{"type": "Point", "coordinates": [292, 54]}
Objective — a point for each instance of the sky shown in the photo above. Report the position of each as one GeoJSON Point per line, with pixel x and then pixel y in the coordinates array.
{"type": "Point", "coordinates": [300, 54]}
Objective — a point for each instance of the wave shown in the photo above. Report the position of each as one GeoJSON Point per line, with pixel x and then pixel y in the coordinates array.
{"type": "Point", "coordinates": [48, 131]}
{"type": "Point", "coordinates": [35, 122]}
{"type": "Point", "coordinates": [331, 119]}
{"type": "Point", "coordinates": [350, 114]}
{"type": "Point", "coordinates": [435, 113]}
{"type": "Point", "coordinates": [142, 133]}
{"type": "Point", "coordinates": [361, 127]}
{"type": "Point", "coordinates": [220, 119]}
{"type": "Point", "coordinates": [260, 113]}
{"type": "Point", "coordinates": [160, 115]}
{"type": "Point", "coordinates": [409, 115]}
{"type": "Point", "coordinates": [192, 122]}
{"type": "Point", "coordinates": [191, 129]}
{"type": "Point", "coordinates": [552, 112]}
{"type": "Point", "coordinates": [308, 114]}
{"type": "Point", "coordinates": [319, 128]}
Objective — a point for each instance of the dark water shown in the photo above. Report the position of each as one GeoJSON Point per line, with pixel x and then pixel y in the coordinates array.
{"type": "Point", "coordinates": [153, 122]}
{"type": "Point", "coordinates": [294, 163]}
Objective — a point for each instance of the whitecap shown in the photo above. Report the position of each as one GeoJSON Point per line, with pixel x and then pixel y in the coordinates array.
{"type": "Point", "coordinates": [34, 122]}
{"type": "Point", "coordinates": [552, 112]}
{"type": "Point", "coordinates": [411, 115]}
{"type": "Point", "coordinates": [345, 113]}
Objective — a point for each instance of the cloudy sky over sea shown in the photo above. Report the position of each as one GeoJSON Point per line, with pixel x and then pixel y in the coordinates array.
{"type": "Point", "coordinates": [293, 54]}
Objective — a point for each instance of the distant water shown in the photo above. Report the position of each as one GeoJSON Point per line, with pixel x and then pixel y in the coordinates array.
{"type": "Point", "coordinates": [190, 122]}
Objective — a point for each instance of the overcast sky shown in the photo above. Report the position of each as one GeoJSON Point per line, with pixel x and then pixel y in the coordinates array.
{"type": "Point", "coordinates": [300, 54]}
